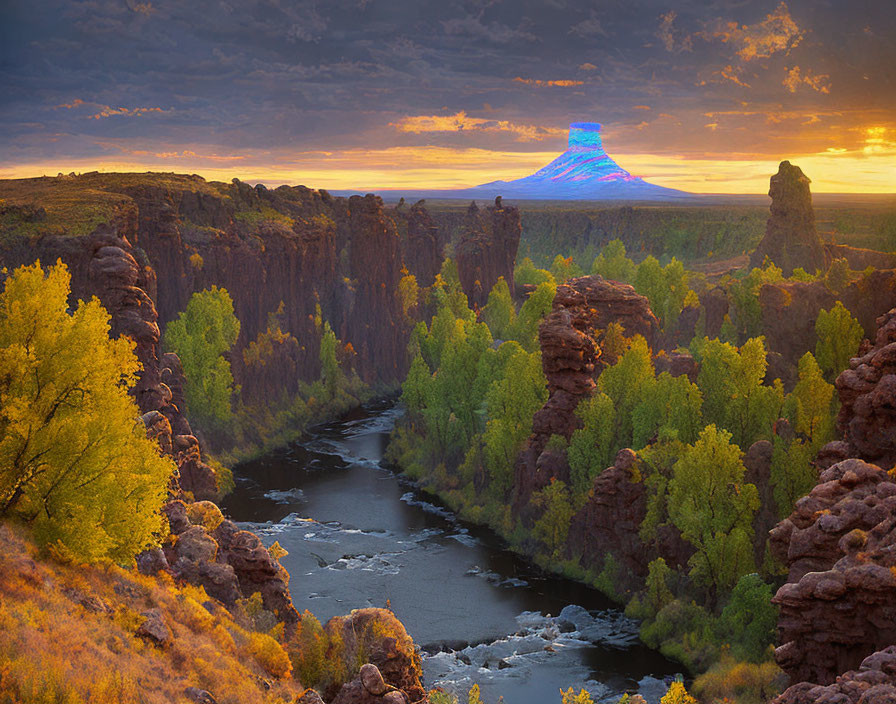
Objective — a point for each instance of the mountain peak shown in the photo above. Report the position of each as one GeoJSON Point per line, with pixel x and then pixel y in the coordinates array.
{"type": "Point", "coordinates": [584, 171]}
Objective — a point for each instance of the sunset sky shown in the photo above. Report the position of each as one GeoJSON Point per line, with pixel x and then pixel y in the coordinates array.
{"type": "Point", "coordinates": [705, 96]}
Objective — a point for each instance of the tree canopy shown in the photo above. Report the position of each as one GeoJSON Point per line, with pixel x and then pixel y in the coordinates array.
{"type": "Point", "coordinates": [75, 462]}
{"type": "Point", "coordinates": [200, 336]}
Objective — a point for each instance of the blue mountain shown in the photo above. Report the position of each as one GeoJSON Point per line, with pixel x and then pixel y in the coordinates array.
{"type": "Point", "coordinates": [584, 171]}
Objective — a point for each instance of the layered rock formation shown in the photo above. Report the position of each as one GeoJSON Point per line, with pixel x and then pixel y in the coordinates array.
{"type": "Point", "coordinates": [791, 240]}
{"type": "Point", "coordinates": [873, 682]}
{"type": "Point", "coordinates": [838, 605]}
{"type": "Point", "coordinates": [487, 249]}
{"type": "Point", "coordinates": [291, 245]}
{"type": "Point", "coordinates": [839, 545]}
{"type": "Point", "coordinates": [867, 418]}
{"type": "Point", "coordinates": [570, 355]}
{"type": "Point", "coordinates": [422, 242]}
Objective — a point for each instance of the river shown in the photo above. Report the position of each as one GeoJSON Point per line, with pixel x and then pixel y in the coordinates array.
{"type": "Point", "coordinates": [360, 535]}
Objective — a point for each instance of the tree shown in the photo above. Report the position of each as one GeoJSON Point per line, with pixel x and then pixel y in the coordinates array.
{"type": "Point", "coordinates": [330, 372]}
{"type": "Point", "coordinates": [613, 264]}
{"type": "Point", "coordinates": [564, 268]}
{"type": "Point", "coordinates": [810, 409]}
{"type": "Point", "coordinates": [713, 508]}
{"type": "Point", "coordinates": [839, 335]}
{"type": "Point", "coordinates": [414, 388]}
{"type": "Point", "coordinates": [75, 462]}
{"type": "Point", "coordinates": [669, 408]}
{"type": "Point", "coordinates": [749, 619]}
{"type": "Point", "coordinates": [200, 336]}
{"type": "Point", "coordinates": [591, 448]}
{"type": "Point", "coordinates": [499, 312]}
{"type": "Point", "coordinates": [626, 383]}
{"type": "Point", "coordinates": [527, 274]}
{"type": "Point", "coordinates": [552, 527]}
{"type": "Point", "coordinates": [512, 401]}
{"type": "Point", "coordinates": [810, 405]}
{"type": "Point", "coordinates": [744, 296]}
{"type": "Point", "coordinates": [525, 328]}
{"type": "Point", "coordinates": [734, 396]}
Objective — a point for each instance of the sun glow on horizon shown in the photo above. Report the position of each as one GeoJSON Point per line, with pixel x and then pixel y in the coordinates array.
{"type": "Point", "coordinates": [870, 169]}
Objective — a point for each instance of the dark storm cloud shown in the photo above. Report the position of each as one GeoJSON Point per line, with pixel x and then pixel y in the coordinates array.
{"type": "Point", "coordinates": [104, 77]}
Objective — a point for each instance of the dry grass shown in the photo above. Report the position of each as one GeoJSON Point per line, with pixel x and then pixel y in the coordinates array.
{"type": "Point", "coordinates": [68, 636]}
{"type": "Point", "coordinates": [76, 205]}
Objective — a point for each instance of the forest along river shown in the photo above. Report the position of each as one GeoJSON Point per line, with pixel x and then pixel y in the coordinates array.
{"type": "Point", "coordinates": [358, 534]}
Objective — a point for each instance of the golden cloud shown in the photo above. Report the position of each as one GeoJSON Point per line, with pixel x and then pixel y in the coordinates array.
{"type": "Point", "coordinates": [538, 82]}
{"type": "Point", "coordinates": [461, 122]}
{"type": "Point", "coordinates": [777, 32]}
{"type": "Point", "coordinates": [795, 78]}
{"type": "Point", "coordinates": [107, 110]}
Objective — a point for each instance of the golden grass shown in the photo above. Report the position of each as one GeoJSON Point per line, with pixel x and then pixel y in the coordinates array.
{"type": "Point", "coordinates": [68, 636]}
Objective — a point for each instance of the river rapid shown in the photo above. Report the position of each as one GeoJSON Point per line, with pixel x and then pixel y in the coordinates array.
{"type": "Point", "coordinates": [360, 535]}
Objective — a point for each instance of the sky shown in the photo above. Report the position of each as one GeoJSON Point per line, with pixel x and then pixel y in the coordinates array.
{"type": "Point", "coordinates": [705, 96]}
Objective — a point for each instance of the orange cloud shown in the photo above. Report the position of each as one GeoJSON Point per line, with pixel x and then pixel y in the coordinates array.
{"type": "Point", "coordinates": [777, 32]}
{"type": "Point", "coordinates": [733, 74]}
{"type": "Point", "coordinates": [641, 107]}
{"type": "Point", "coordinates": [461, 122]}
{"type": "Point", "coordinates": [587, 66]}
{"type": "Point", "coordinates": [77, 102]}
{"type": "Point", "coordinates": [795, 78]}
{"type": "Point", "coordinates": [537, 82]}
{"type": "Point", "coordinates": [108, 111]}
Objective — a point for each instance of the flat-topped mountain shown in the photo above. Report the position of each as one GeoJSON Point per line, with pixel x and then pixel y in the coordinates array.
{"type": "Point", "coordinates": [584, 171]}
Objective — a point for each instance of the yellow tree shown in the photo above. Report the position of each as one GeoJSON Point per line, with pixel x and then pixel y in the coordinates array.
{"type": "Point", "coordinates": [75, 463]}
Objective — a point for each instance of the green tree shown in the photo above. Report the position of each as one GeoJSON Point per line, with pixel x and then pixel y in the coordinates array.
{"type": "Point", "coordinates": [527, 274]}
{"type": "Point", "coordinates": [512, 401]}
{"type": "Point", "coordinates": [839, 335]}
{"type": "Point", "coordinates": [669, 408]}
{"type": "Point", "coordinates": [564, 268]}
{"type": "Point", "coordinates": [734, 396]}
{"type": "Point", "coordinates": [200, 336]}
{"type": "Point", "coordinates": [612, 263]}
{"type": "Point", "coordinates": [749, 619]}
{"type": "Point", "coordinates": [713, 508]}
{"type": "Point", "coordinates": [525, 328]}
{"type": "Point", "coordinates": [810, 406]}
{"type": "Point", "coordinates": [552, 527]}
{"type": "Point", "coordinates": [330, 372]}
{"type": "Point", "coordinates": [626, 383]}
{"type": "Point", "coordinates": [591, 448]}
{"type": "Point", "coordinates": [499, 311]}
{"type": "Point", "coordinates": [75, 462]}
{"type": "Point", "coordinates": [744, 295]}
{"type": "Point", "coordinates": [414, 390]}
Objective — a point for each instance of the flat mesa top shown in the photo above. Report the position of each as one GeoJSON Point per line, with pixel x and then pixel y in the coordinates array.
{"type": "Point", "coordinates": [585, 134]}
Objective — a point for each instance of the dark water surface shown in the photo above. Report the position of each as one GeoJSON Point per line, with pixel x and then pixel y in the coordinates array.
{"type": "Point", "coordinates": [359, 535]}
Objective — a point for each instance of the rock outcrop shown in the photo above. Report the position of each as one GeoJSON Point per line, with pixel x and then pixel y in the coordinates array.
{"type": "Point", "coordinates": [839, 604]}
{"type": "Point", "coordinates": [867, 419]}
{"type": "Point", "coordinates": [874, 682]}
{"type": "Point", "coordinates": [570, 355]}
{"type": "Point", "coordinates": [389, 651]}
{"type": "Point", "coordinates": [791, 240]}
{"type": "Point", "coordinates": [422, 242]}
{"type": "Point", "coordinates": [487, 249]}
{"type": "Point", "coordinates": [610, 522]}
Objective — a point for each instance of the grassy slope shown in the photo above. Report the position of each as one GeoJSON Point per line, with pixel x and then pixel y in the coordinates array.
{"type": "Point", "coordinates": [68, 635]}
